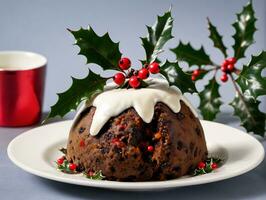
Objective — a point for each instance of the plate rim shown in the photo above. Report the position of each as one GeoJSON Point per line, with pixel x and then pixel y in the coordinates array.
{"type": "Point", "coordinates": [147, 185]}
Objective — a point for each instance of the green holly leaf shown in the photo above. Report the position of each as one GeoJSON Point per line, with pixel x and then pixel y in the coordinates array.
{"type": "Point", "coordinates": [216, 38]}
{"type": "Point", "coordinates": [185, 52]}
{"type": "Point", "coordinates": [80, 90]}
{"type": "Point", "coordinates": [250, 79]}
{"type": "Point", "coordinates": [96, 175]}
{"type": "Point", "coordinates": [100, 50]}
{"type": "Point", "coordinates": [175, 76]}
{"type": "Point", "coordinates": [244, 30]}
{"type": "Point", "coordinates": [210, 100]}
{"type": "Point", "coordinates": [158, 35]}
{"type": "Point", "coordinates": [247, 109]}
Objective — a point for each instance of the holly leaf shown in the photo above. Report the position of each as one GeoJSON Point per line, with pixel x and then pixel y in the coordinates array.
{"type": "Point", "coordinates": [250, 79]}
{"type": "Point", "coordinates": [80, 90]}
{"type": "Point", "coordinates": [175, 76]}
{"type": "Point", "coordinates": [157, 36]}
{"type": "Point", "coordinates": [216, 38]}
{"type": "Point", "coordinates": [244, 30]}
{"type": "Point", "coordinates": [100, 50]}
{"type": "Point", "coordinates": [210, 100]}
{"type": "Point", "coordinates": [185, 52]}
{"type": "Point", "coordinates": [247, 109]}
{"type": "Point", "coordinates": [96, 175]}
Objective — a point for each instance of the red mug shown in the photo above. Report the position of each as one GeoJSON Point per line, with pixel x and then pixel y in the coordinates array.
{"type": "Point", "coordinates": [22, 76]}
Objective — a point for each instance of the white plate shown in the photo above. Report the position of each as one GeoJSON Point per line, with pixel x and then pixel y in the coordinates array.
{"type": "Point", "coordinates": [36, 150]}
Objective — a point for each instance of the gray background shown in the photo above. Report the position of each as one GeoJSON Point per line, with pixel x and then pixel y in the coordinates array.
{"type": "Point", "coordinates": [40, 26]}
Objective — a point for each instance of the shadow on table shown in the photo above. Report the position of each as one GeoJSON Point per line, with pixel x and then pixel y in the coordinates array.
{"type": "Point", "coordinates": [248, 186]}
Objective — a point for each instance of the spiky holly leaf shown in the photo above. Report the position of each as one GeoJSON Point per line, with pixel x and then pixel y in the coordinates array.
{"type": "Point", "coordinates": [100, 50]}
{"type": "Point", "coordinates": [250, 79]}
{"type": "Point", "coordinates": [175, 76]}
{"type": "Point", "coordinates": [244, 30]}
{"type": "Point", "coordinates": [210, 100]}
{"type": "Point", "coordinates": [216, 38]}
{"type": "Point", "coordinates": [157, 36]}
{"type": "Point", "coordinates": [247, 109]}
{"type": "Point", "coordinates": [80, 90]}
{"type": "Point", "coordinates": [185, 52]}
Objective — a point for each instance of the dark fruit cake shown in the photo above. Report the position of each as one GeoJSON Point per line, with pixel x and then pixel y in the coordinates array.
{"type": "Point", "coordinates": [126, 148]}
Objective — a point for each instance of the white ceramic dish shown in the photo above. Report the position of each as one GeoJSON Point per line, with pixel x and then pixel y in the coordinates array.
{"type": "Point", "coordinates": [36, 150]}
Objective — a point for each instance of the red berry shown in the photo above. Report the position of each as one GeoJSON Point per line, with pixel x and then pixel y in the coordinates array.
{"type": "Point", "coordinates": [231, 67]}
{"type": "Point", "coordinates": [193, 78]}
{"type": "Point", "coordinates": [224, 66]}
{"type": "Point", "coordinates": [124, 63]}
{"type": "Point", "coordinates": [201, 165]}
{"type": "Point", "coordinates": [91, 173]}
{"type": "Point", "coordinates": [143, 73]}
{"type": "Point", "coordinates": [231, 60]}
{"type": "Point", "coordinates": [72, 166]}
{"type": "Point", "coordinates": [224, 77]}
{"type": "Point", "coordinates": [82, 143]}
{"type": "Point", "coordinates": [154, 68]}
{"type": "Point", "coordinates": [196, 72]}
{"type": "Point", "coordinates": [119, 78]}
{"type": "Point", "coordinates": [60, 161]}
{"type": "Point", "coordinates": [134, 81]}
{"type": "Point", "coordinates": [150, 148]}
{"type": "Point", "coordinates": [214, 166]}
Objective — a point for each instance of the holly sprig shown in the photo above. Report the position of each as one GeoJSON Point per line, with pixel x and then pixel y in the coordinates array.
{"type": "Point", "coordinates": [248, 82]}
{"type": "Point", "coordinates": [65, 166]}
{"type": "Point", "coordinates": [94, 175]}
{"type": "Point", "coordinates": [101, 50]}
{"type": "Point", "coordinates": [207, 166]}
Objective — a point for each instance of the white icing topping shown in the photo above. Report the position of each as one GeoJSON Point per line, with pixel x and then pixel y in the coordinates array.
{"type": "Point", "coordinates": [112, 102]}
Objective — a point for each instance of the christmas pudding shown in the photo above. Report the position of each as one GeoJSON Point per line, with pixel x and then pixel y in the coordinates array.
{"type": "Point", "coordinates": [142, 134]}
{"type": "Point", "coordinates": [134, 125]}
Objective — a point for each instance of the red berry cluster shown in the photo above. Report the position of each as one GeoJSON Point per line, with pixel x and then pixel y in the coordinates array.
{"type": "Point", "coordinates": [134, 76]}
{"type": "Point", "coordinates": [202, 165]}
{"type": "Point", "coordinates": [227, 67]}
{"type": "Point", "coordinates": [195, 74]}
{"type": "Point", "coordinates": [65, 165]}
{"type": "Point", "coordinates": [207, 167]}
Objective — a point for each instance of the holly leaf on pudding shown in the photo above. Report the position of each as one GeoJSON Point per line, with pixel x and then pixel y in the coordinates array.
{"type": "Point", "coordinates": [216, 38]}
{"type": "Point", "coordinates": [100, 50]}
{"type": "Point", "coordinates": [175, 76]}
{"type": "Point", "coordinates": [247, 109]}
{"type": "Point", "coordinates": [244, 30]}
{"type": "Point", "coordinates": [80, 90]}
{"type": "Point", "coordinates": [210, 100]}
{"type": "Point", "coordinates": [157, 36]}
{"type": "Point", "coordinates": [250, 79]}
{"type": "Point", "coordinates": [185, 52]}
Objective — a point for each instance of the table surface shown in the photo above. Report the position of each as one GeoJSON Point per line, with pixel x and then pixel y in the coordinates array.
{"type": "Point", "coordinates": [18, 184]}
